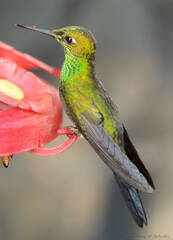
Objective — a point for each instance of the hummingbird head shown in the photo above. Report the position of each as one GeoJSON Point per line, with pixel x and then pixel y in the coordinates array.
{"type": "Point", "coordinates": [75, 40]}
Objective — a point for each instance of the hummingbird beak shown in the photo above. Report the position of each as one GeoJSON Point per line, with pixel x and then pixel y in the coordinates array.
{"type": "Point", "coordinates": [43, 31]}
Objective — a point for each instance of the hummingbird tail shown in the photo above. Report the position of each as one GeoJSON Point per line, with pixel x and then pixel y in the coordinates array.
{"type": "Point", "coordinates": [134, 157]}
{"type": "Point", "coordinates": [133, 201]}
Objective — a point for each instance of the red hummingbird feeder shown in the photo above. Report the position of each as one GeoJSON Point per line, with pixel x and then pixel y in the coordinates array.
{"type": "Point", "coordinates": [30, 108]}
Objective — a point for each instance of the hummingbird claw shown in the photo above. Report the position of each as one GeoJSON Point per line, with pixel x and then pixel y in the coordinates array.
{"type": "Point", "coordinates": [74, 130]}
{"type": "Point", "coordinates": [68, 131]}
{"type": "Point", "coordinates": [6, 160]}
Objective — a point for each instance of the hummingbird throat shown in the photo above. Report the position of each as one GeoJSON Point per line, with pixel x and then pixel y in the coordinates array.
{"type": "Point", "coordinates": [74, 66]}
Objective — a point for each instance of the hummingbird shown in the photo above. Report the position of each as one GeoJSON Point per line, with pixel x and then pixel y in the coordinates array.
{"type": "Point", "coordinates": [96, 117]}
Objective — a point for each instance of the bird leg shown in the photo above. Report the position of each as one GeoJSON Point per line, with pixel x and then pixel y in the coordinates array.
{"type": "Point", "coordinates": [69, 131]}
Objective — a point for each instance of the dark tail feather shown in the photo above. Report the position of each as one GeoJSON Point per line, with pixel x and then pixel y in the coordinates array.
{"type": "Point", "coordinates": [134, 157]}
{"type": "Point", "coordinates": [133, 202]}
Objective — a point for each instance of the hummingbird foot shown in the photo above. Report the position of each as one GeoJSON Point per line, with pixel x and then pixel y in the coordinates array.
{"type": "Point", "coordinates": [69, 131]}
{"type": "Point", "coordinates": [74, 130]}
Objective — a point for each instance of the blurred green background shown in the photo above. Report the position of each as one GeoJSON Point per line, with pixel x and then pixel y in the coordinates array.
{"type": "Point", "coordinates": [73, 196]}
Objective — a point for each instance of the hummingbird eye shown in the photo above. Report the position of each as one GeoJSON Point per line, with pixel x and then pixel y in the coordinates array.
{"type": "Point", "coordinates": [69, 40]}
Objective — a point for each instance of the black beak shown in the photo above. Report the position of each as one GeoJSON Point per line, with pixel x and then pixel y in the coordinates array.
{"type": "Point", "coordinates": [43, 31]}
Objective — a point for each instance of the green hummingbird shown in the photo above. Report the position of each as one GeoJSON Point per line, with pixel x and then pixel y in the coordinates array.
{"type": "Point", "coordinates": [96, 116]}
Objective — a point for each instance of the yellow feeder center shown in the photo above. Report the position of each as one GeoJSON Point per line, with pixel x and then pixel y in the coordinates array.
{"type": "Point", "coordinates": [10, 89]}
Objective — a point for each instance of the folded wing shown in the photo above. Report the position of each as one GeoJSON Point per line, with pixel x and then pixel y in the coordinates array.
{"type": "Point", "coordinates": [111, 153]}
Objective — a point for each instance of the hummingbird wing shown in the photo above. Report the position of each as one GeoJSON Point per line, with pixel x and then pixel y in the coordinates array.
{"type": "Point", "coordinates": [110, 152]}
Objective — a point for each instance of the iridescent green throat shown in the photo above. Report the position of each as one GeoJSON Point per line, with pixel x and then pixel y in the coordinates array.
{"type": "Point", "coordinates": [74, 66]}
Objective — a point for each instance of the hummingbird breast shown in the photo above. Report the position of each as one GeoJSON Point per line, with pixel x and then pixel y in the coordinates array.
{"type": "Point", "coordinates": [81, 94]}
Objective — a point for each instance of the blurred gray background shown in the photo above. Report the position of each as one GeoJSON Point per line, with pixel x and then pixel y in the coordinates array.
{"type": "Point", "coordinates": [73, 196]}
